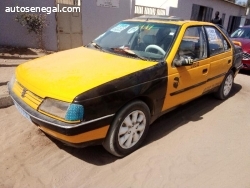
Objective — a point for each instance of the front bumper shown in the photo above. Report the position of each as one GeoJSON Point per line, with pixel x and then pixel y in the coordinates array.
{"type": "Point", "coordinates": [77, 135]}
{"type": "Point", "coordinates": [246, 64]}
{"type": "Point", "coordinates": [246, 60]}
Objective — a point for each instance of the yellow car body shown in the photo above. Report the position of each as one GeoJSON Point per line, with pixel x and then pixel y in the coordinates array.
{"type": "Point", "coordinates": [100, 84]}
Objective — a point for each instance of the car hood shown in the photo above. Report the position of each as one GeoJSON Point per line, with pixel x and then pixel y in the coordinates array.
{"type": "Point", "coordinates": [245, 43]}
{"type": "Point", "coordinates": [66, 74]}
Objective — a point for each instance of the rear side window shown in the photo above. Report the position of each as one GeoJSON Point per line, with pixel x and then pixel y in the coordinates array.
{"type": "Point", "coordinates": [216, 41]}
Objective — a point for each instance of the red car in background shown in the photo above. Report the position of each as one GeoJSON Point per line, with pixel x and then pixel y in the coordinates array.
{"type": "Point", "coordinates": [242, 35]}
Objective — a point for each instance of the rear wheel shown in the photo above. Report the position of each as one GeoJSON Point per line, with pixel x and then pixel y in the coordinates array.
{"type": "Point", "coordinates": [226, 86]}
{"type": "Point", "coordinates": [128, 130]}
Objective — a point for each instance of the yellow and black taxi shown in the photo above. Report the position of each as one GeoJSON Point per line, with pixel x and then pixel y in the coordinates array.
{"type": "Point", "coordinates": [111, 90]}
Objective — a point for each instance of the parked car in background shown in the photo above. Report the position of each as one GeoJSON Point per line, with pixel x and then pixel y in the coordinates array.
{"type": "Point", "coordinates": [242, 35]}
{"type": "Point", "coordinates": [110, 91]}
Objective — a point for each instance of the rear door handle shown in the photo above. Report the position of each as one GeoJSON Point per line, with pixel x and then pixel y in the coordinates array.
{"type": "Point", "coordinates": [204, 71]}
{"type": "Point", "coordinates": [229, 61]}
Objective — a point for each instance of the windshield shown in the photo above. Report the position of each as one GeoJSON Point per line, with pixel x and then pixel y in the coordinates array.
{"type": "Point", "coordinates": [241, 33]}
{"type": "Point", "coordinates": [145, 40]}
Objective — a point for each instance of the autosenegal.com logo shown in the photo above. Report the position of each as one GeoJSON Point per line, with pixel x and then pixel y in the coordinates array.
{"type": "Point", "coordinates": [47, 10]}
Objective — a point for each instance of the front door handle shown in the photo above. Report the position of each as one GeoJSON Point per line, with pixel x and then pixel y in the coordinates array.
{"type": "Point", "coordinates": [229, 61]}
{"type": "Point", "coordinates": [204, 71]}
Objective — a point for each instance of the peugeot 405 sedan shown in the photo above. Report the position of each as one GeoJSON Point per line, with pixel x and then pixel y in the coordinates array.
{"type": "Point", "coordinates": [110, 91]}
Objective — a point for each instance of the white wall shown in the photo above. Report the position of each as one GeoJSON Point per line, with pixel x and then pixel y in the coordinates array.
{"type": "Point", "coordinates": [96, 20]}
{"type": "Point", "coordinates": [157, 3]}
{"type": "Point", "coordinates": [184, 9]}
{"type": "Point", "coordinates": [13, 34]}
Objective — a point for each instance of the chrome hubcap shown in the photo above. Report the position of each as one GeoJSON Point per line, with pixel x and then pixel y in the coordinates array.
{"type": "Point", "coordinates": [228, 85]}
{"type": "Point", "coordinates": [132, 129]}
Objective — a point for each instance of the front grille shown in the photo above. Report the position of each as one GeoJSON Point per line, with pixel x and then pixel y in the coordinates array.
{"type": "Point", "coordinates": [27, 96]}
{"type": "Point", "coordinates": [246, 66]}
{"type": "Point", "coordinates": [246, 56]}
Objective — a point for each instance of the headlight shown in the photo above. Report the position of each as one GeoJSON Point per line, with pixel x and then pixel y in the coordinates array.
{"type": "Point", "coordinates": [63, 110]}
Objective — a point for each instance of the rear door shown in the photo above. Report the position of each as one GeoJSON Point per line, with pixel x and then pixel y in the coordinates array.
{"type": "Point", "coordinates": [220, 56]}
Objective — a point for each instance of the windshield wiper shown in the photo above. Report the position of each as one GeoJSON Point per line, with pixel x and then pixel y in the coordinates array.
{"type": "Point", "coordinates": [130, 52]}
{"type": "Point", "coordinates": [97, 46]}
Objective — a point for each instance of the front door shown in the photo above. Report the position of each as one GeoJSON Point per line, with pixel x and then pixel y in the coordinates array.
{"type": "Point", "coordinates": [220, 56]}
{"type": "Point", "coordinates": [188, 82]}
{"type": "Point", "coordinates": [69, 28]}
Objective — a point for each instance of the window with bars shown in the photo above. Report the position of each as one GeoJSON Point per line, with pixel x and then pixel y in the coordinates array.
{"type": "Point", "coordinates": [149, 10]}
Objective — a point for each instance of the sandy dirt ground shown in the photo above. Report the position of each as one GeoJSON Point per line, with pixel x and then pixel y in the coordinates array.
{"type": "Point", "coordinates": [205, 143]}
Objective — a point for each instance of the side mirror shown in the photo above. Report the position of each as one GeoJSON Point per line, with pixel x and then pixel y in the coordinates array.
{"type": "Point", "coordinates": [183, 61]}
{"type": "Point", "coordinates": [236, 43]}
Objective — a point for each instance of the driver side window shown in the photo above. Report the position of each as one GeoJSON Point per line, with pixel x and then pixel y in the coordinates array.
{"type": "Point", "coordinates": [193, 45]}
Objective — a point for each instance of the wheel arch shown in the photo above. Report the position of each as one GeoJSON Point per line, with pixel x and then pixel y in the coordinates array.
{"type": "Point", "coordinates": [147, 100]}
{"type": "Point", "coordinates": [234, 70]}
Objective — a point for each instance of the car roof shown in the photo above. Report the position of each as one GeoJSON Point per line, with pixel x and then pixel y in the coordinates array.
{"type": "Point", "coordinates": [167, 19]}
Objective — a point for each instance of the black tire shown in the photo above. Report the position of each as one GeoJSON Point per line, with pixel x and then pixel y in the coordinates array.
{"type": "Point", "coordinates": [132, 135]}
{"type": "Point", "coordinates": [226, 86]}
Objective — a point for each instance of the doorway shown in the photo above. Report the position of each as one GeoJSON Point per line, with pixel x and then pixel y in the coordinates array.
{"type": "Point", "coordinates": [69, 28]}
{"type": "Point", "coordinates": [233, 23]}
{"type": "Point", "coordinates": [201, 13]}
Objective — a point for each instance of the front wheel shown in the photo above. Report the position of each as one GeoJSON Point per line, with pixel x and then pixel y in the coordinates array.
{"type": "Point", "coordinates": [226, 86]}
{"type": "Point", "coordinates": [128, 130]}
